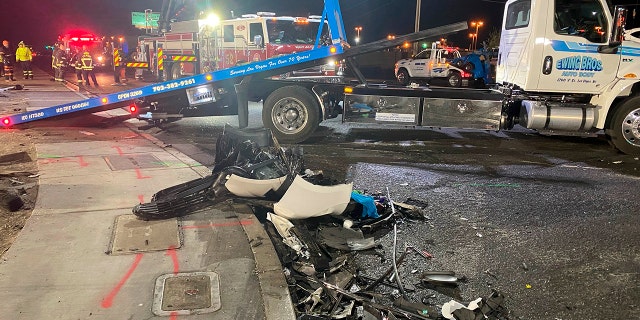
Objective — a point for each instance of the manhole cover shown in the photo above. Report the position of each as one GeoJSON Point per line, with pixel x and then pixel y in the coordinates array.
{"type": "Point", "coordinates": [132, 235]}
{"type": "Point", "coordinates": [187, 293]}
{"type": "Point", "coordinates": [133, 161]}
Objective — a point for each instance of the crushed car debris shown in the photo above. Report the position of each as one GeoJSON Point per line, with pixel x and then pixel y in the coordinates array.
{"type": "Point", "coordinates": [318, 227]}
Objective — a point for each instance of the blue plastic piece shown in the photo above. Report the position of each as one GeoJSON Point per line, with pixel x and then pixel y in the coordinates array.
{"type": "Point", "coordinates": [369, 209]}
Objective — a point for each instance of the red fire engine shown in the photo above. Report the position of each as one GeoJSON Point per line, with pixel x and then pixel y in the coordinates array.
{"type": "Point", "coordinates": [76, 40]}
{"type": "Point", "coordinates": [198, 46]}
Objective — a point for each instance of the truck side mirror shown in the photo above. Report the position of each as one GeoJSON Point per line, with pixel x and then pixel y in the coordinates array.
{"type": "Point", "coordinates": [258, 40]}
{"type": "Point", "coordinates": [617, 31]}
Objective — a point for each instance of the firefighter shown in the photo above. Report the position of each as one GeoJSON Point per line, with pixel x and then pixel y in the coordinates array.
{"type": "Point", "coordinates": [53, 61]}
{"type": "Point", "coordinates": [139, 57]}
{"type": "Point", "coordinates": [24, 57]}
{"type": "Point", "coordinates": [7, 58]}
{"type": "Point", "coordinates": [87, 68]}
{"type": "Point", "coordinates": [77, 65]}
{"type": "Point", "coordinates": [59, 62]}
{"type": "Point", "coordinates": [1, 63]}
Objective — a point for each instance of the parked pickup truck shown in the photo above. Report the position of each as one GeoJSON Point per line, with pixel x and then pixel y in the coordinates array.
{"type": "Point", "coordinates": [430, 64]}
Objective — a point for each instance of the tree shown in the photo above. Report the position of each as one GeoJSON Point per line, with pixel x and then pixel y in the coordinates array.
{"type": "Point", "coordinates": [493, 41]}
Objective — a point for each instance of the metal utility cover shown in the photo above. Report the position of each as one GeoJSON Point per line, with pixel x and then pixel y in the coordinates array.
{"type": "Point", "coordinates": [186, 293]}
{"type": "Point", "coordinates": [132, 235]}
{"type": "Point", "coordinates": [133, 161]}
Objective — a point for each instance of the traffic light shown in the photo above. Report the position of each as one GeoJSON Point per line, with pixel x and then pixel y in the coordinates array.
{"type": "Point", "coordinates": [424, 45]}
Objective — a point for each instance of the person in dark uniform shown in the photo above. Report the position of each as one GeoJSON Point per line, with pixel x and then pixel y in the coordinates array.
{"type": "Point", "coordinates": [87, 68]}
{"type": "Point", "coordinates": [1, 63]}
{"type": "Point", "coordinates": [77, 65]}
{"type": "Point", "coordinates": [59, 62]}
{"type": "Point", "coordinates": [8, 58]}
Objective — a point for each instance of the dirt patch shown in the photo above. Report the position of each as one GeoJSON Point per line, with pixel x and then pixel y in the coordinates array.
{"type": "Point", "coordinates": [18, 184]}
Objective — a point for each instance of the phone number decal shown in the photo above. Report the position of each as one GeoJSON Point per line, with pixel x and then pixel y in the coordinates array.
{"type": "Point", "coordinates": [173, 85]}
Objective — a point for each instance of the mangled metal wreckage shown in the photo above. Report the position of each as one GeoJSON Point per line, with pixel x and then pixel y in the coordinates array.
{"type": "Point", "coordinates": [318, 226]}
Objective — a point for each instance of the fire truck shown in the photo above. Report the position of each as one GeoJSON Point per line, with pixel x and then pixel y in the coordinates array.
{"type": "Point", "coordinates": [204, 45]}
{"type": "Point", "coordinates": [76, 40]}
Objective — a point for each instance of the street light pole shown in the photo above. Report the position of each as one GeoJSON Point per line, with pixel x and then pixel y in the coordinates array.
{"type": "Point", "coordinates": [474, 38]}
{"type": "Point", "coordinates": [417, 24]}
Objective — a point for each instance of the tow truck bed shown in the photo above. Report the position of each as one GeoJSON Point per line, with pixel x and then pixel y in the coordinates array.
{"type": "Point", "coordinates": [264, 69]}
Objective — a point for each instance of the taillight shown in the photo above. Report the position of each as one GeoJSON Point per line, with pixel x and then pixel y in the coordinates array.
{"type": "Point", "coordinates": [133, 108]}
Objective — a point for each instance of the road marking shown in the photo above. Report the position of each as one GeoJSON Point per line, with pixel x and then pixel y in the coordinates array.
{"type": "Point", "coordinates": [108, 301]}
{"type": "Point", "coordinates": [119, 150]}
{"type": "Point", "coordinates": [140, 175]}
{"type": "Point", "coordinates": [171, 252]}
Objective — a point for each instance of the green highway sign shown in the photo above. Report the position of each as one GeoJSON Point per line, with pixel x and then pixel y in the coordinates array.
{"type": "Point", "coordinates": [145, 20]}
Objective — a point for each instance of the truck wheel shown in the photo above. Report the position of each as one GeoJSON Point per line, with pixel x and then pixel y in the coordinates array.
{"type": "Point", "coordinates": [454, 79]}
{"type": "Point", "coordinates": [624, 129]}
{"type": "Point", "coordinates": [292, 113]}
{"type": "Point", "coordinates": [403, 77]}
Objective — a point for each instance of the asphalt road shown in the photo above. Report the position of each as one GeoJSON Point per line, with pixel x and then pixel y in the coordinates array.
{"type": "Point", "coordinates": [552, 222]}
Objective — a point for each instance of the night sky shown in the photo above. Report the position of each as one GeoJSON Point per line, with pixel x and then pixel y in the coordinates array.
{"type": "Point", "coordinates": [38, 22]}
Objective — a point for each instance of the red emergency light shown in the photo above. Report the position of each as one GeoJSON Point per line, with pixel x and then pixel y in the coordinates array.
{"type": "Point", "coordinates": [78, 38]}
{"type": "Point", "coordinates": [6, 122]}
{"type": "Point", "coordinates": [133, 108]}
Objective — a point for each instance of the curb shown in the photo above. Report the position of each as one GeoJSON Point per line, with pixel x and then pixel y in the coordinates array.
{"type": "Point", "coordinates": [274, 287]}
{"type": "Point", "coordinates": [275, 291]}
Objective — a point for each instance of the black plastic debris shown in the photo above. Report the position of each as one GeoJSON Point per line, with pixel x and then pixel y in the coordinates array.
{"type": "Point", "coordinates": [237, 154]}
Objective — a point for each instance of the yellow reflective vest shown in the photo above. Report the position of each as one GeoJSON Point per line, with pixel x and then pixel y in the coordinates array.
{"type": "Point", "coordinates": [23, 54]}
{"type": "Point", "coordinates": [87, 61]}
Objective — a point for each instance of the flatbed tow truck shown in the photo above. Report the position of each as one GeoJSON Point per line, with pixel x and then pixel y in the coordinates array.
{"type": "Point", "coordinates": [553, 76]}
{"type": "Point", "coordinates": [250, 81]}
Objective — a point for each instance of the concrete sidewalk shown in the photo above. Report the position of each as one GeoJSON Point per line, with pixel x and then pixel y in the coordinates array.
{"type": "Point", "coordinates": [83, 255]}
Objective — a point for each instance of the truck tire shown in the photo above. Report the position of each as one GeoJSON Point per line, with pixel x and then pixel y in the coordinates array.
{"type": "Point", "coordinates": [403, 77]}
{"type": "Point", "coordinates": [454, 79]}
{"type": "Point", "coordinates": [292, 113]}
{"type": "Point", "coordinates": [624, 128]}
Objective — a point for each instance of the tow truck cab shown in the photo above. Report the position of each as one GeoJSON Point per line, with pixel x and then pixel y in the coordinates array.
{"type": "Point", "coordinates": [570, 66]}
